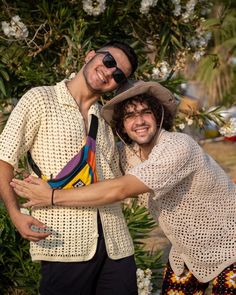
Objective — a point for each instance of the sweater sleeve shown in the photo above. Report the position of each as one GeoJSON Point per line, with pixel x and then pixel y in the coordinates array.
{"type": "Point", "coordinates": [21, 128]}
{"type": "Point", "coordinates": [168, 164]}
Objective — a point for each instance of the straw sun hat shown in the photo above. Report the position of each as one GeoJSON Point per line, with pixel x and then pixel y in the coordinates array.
{"type": "Point", "coordinates": [133, 88]}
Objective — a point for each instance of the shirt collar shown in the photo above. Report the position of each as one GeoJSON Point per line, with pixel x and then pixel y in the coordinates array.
{"type": "Point", "coordinates": [65, 98]}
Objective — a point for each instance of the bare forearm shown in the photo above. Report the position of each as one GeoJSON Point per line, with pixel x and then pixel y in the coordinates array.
{"type": "Point", "coordinates": [101, 193]}
{"type": "Point", "coordinates": [39, 193]}
{"type": "Point", "coordinates": [7, 193]}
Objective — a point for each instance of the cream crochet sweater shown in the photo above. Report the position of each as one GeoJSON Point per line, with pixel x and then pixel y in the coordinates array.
{"type": "Point", "coordinates": [47, 121]}
{"type": "Point", "coordinates": [195, 203]}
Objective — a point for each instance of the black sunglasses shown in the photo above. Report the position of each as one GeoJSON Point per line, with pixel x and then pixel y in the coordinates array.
{"type": "Point", "coordinates": [109, 62]}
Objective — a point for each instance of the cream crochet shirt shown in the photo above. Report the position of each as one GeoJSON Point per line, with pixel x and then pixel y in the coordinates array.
{"type": "Point", "coordinates": [47, 121]}
{"type": "Point", "coordinates": [195, 204]}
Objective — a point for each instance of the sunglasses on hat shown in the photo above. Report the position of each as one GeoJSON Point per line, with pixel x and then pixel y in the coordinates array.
{"type": "Point", "coordinates": [109, 62]}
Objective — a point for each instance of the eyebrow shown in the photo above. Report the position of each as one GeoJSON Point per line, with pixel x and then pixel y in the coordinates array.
{"type": "Point", "coordinates": [145, 109]}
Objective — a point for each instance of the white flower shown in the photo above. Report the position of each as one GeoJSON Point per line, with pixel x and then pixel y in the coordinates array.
{"type": "Point", "coordinates": [176, 2]}
{"type": "Point", "coordinates": [146, 5]}
{"type": "Point", "coordinates": [144, 281]}
{"type": "Point", "coordinates": [155, 73]}
{"type": "Point", "coordinates": [198, 54]}
{"type": "Point", "coordinates": [189, 10]}
{"type": "Point", "coordinates": [202, 42]}
{"type": "Point", "coordinates": [161, 71]}
{"type": "Point", "coordinates": [190, 6]}
{"type": "Point", "coordinates": [7, 30]}
{"type": "Point", "coordinates": [186, 17]}
{"type": "Point", "coordinates": [229, 129]}
{"type": "Point", "coordinates": [232, 60]}
{"type": "Point", "coordinates": [140, 285]}
{"type": "Point", "coordinates": [164, 68]}
{"type": "Point", "coordinates": [94, 7]}
{"type": "Point", "coordinates": [15, 28]}
{"type": "Point", "coordinates": [72, 76]}
{"type": "Point", "coordinates": [208, 36]}
{"type": "Point", "coordinates": [193, 42]}
{"type": "Point", "coordinates": [177, 10]}
{"type": "Point", "coordinates": [189, 121]}
{"type": "Point", "coordinates": [181, 126]}
{"type": "Point", "coordinates": [140, 273]}
{"type": "Point", "coordinates": [24, 211]}
{"type": "Point", "coordinates": [148, 272]}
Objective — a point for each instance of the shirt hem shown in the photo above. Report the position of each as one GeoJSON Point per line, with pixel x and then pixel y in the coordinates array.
{"type": "Point", "coordinates": [200, 278]}
{"type": "Point", "coordinates": [38, 258]}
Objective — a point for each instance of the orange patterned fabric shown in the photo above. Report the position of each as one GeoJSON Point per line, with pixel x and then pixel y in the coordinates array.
{"type": "Point", "coordinates": [187, 284]}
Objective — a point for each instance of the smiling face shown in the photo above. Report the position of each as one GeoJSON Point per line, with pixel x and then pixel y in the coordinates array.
{"type": "Point", "coordinates": [140, 124]}
{"type": "Point", "coordinates": [98, 77]}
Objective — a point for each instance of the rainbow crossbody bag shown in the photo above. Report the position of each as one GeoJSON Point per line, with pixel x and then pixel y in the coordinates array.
{"type": "Point", "coordinates": [80, 170]}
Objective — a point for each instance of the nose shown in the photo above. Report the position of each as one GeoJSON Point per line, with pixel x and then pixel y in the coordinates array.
{"type": "Point", "coordinates": [109, 71]}
{"type": "Point", "coordinates": [139, 120]}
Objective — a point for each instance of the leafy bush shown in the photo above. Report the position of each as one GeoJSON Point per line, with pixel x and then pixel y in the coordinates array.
{"type": "Point", "coordinates": [17, 270]}
{"type": "Point", "coordinates": [140, 224]}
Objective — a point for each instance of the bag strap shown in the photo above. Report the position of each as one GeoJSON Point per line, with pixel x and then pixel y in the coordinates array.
{"type": "Point", "coordinates": [92, 133]}
{"type": "Point", "coordinates": [33, 165]}
{"type": "Point", "coordinates": [93, 130]}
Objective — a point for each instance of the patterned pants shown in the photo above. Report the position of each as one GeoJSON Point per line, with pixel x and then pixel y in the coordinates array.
{"type": "Point", "coordinates": [187, 284]}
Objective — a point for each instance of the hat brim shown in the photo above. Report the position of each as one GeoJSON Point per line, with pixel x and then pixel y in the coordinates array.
{"type": "Point", "coordinates": [164, 96]}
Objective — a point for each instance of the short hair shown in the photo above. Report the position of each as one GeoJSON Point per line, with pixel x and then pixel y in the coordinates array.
{"type": "Point", "coordinates": [155, 106]}
{"type": "Point", "coordinates": [128, 51]}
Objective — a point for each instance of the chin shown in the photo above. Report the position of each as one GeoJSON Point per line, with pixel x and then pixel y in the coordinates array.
{"type": "Point", "coordinates": [142, 141]}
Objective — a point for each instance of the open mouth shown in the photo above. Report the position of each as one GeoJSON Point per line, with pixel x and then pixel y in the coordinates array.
{"type": "Point", "coordinates": [101, 77]}
{"type": "Point", "coordinates": [141, 130]}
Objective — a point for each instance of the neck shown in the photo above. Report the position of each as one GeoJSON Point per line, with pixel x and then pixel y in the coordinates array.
{"type": "Point", "coordinates": [81, 93]}
{"type": "Point", "coordinates": [145, 149]}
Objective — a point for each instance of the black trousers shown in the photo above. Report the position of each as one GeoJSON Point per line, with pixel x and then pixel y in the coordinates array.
{"type": "Point", "coordinates": [98, 276]}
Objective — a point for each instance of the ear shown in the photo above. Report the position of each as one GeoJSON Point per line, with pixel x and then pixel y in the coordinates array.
{"type": "Point", "coordinates": [89, 55]}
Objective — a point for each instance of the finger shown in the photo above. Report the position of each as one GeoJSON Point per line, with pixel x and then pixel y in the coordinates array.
{"type": "Point", "coordinates": [32, 239]}
{"type": "Point", "coordinates": [38, 234]}
{"type": "Point", "coordinates": [27, 179]}
{"type": "Point", "coordinates": [20, 193]}
{"type": "Point", "coordinates": [38, 237]}
{"type": "Point", "coordinates": [38, 223]}
{"type": "Point", "coordinates": [31, 179]}
{"type": "Point", "coordinates": [22, 183]}
{"type": "Point", "coordinates": [27, 204]}
{"type": "Point", "coordinates": [35, 180]}
{"type": "Point", "coordinates": [19, 184]}
{"type": "Point", "coordinates": [16, 186]}
{"type": "Point", "coordinates": [18, 181]}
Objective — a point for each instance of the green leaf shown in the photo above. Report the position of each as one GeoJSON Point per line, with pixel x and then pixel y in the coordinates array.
{"type": "Point", "coordinates": [2, 87]}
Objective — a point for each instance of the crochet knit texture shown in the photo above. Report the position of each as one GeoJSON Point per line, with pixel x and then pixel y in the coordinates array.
{"type": "Point", "coordinates": [195, 203]}
{"type": "Point", "coordinates": [47, 121]}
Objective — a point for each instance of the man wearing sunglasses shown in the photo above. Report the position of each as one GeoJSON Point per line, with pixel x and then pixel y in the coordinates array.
{"type": "Point", "coordinates": [84, 251]}
{"type": "Point", "coordinates": [109, 61]}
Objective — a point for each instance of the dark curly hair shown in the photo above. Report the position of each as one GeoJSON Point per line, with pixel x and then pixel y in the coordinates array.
{"type": "Point", "coordinates": [152, 103]}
